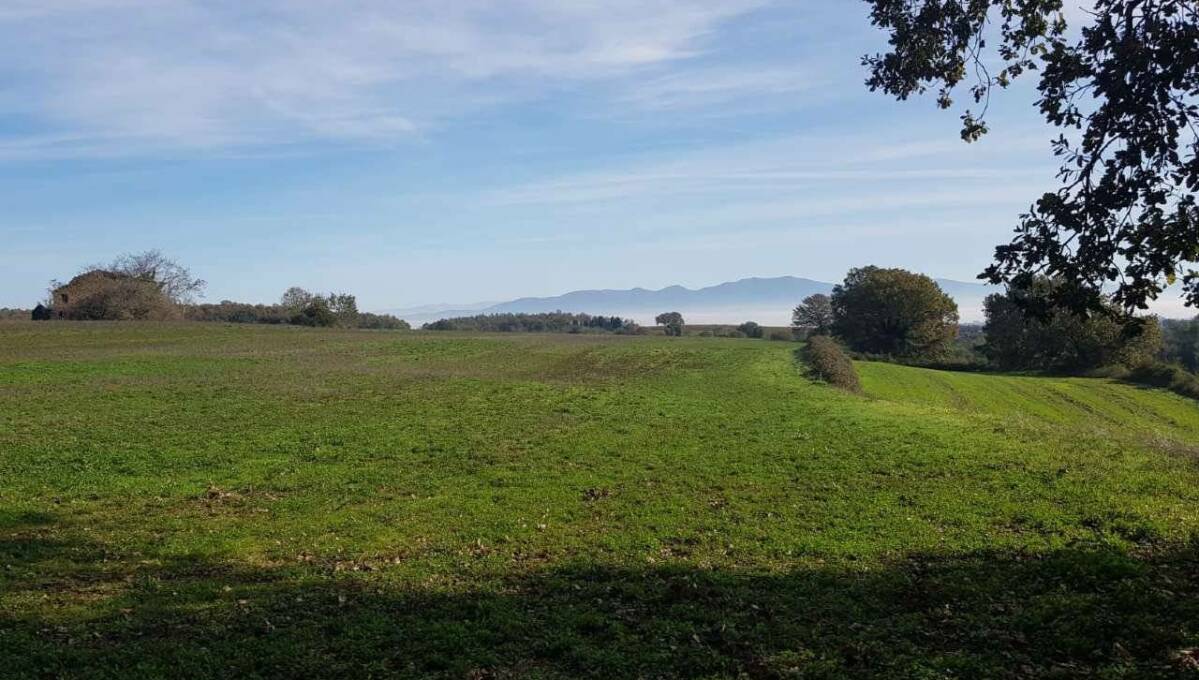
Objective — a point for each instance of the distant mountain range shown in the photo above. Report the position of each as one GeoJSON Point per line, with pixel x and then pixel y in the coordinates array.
{"type": "Point", "coordinates": [766, 300]}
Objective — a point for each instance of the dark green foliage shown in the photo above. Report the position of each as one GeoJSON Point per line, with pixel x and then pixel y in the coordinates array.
{"type": "Point", "coordinates": [315, 313]}
{"type": "Point", "coordinates": [894, 312]}
{"type": "Point", "coordinates": [1180, 342]}
{"type": "Point", "coordinates": [782, 336]}
{"type": "Point", "coordinates": [308, 309]}
{"type": "Point", "coordinates": [671, 322]}
{"type": "Point", "coordinates": [1169, 376]}
{"type": "Point", "coordinates": [39, 313]}
{"type": "Point", "coordinates": [1025, 331]}
{"type": "Point", "coordinates": [547, 322]}
{"type": "Point", "coordinates": [238, 312]}
{"type": "Point", "coordinates": [1122, 93]}
{"type": "Point", "coordinates": [751, 329]}
{"type": "Point", "coordinates": [381, 322]}
{"type": "Point", "coordinates": [719, 331]}
{"type": "Point", "coordinates": [228, 311]}
{"type": "Point", "coordinates": [814, 316]}
{"type": "Point", "coordinates": [828, 362]}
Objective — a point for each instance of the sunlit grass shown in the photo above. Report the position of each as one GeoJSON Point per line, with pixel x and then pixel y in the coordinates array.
{"type": "Point", "coordinates": [219, 500]}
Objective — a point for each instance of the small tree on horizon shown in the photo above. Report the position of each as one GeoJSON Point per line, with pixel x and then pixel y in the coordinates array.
{"type": "Point", "coordinates": [751, 329]}
{"type": "Point", "coordinates": [345, 307]}
{"type": "Point", "coordinates": [813, 316]}
{"type": "Point", "coordinates": [295, 298]}
{"type": "Point", "coordinates": [672, 322]}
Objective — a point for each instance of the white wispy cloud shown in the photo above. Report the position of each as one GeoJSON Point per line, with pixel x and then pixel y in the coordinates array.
{"type": "Point", "coordinates": [122, 75]}
{"type": "Point", "coordinates": [719, 85]}
{"type": "Point", "coordinates": [778, 166]}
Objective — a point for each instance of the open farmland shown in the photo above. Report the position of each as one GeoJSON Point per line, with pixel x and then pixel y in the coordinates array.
{"type": "Point", "coordinates": [195, 500]}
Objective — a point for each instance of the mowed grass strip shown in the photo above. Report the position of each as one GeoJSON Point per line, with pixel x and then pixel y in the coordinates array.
{"type": "Point", "coordinates": [210, 501]}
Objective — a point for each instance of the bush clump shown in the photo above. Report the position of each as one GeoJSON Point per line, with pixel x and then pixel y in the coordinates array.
{"type": "Point", "coordinates": [828, 362]}
{"type": "Point", "coordinates": [751, 329]}
{"type": "Point", "coordinates": [1169, 376]}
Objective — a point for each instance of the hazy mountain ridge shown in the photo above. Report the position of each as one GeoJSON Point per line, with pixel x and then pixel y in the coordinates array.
{"type": "Point", "coordinates": [765, 300]}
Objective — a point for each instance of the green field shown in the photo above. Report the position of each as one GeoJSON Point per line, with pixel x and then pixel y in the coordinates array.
{"type": "Point", "coordinates": [238, 501]}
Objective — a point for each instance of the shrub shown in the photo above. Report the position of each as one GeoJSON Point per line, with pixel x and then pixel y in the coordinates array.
{"type": "Point", "coordinates": [1180, 342]}
{"type": "Point", "coordinates": [123, 300]}
{"type": "Point", "coordinates": [381, 322]}
{"type": "Point", "coordinates": [782, 336]}
{"type": "Point", "coordinates": [1169, 376]}
{"type": "Point", "coordinates": [828, 362]}
{"type": "Point", "coordinates": [101, 295]}
{"type": "Point", "coordinates": [751, 329]}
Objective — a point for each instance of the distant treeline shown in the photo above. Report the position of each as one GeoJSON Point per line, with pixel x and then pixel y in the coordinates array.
{"type": "Point", "coordinates": [549, 322]}
{"type": "Point", "coordinates": [316, 311]}
{"type": "Point", "coordinates": [150, 286]}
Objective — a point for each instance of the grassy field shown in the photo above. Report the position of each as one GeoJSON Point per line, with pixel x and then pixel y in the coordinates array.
{"type": "Point", "coordinates": [238, 501]}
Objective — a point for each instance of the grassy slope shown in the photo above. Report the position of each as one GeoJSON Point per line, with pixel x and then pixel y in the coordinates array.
{"type": "Point", "coordinates": [280, 501]}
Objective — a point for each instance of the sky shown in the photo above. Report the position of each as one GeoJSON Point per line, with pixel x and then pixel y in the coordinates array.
{"type": "Point", "coordinates": [421, 152]}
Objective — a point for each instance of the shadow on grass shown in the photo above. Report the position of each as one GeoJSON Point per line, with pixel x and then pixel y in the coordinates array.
{"type": "Point", "coordinates": [1073, 613]}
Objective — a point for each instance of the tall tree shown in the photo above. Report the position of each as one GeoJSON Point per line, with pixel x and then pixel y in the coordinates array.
{"type": "Point", "coordinates": [1121, 91]}
{"type": "Point", "coordinates": [894, 312]}
{"type": "Point", "coordinates": [813, 316]}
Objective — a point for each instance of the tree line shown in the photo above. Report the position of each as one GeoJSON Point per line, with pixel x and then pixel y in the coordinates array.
{"type": "Point", "coordinates": [297, 307]}
{"type": "Point", "coordinates": [897, 315]}
{"type": "Point", "coordinates": [150, 286]}
{"type": "Point", "coordinates": [547, 322]}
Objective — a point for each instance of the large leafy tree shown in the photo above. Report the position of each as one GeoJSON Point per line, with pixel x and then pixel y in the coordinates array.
{"type": "Point", "coordinates": [894, 312]}
{"type": "Point", "coordinates": [1056, 340]}
{"type": "Point", "coordinates": [1122, 92]}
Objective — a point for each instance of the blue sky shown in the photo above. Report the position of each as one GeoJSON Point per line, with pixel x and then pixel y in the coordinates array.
{"type": "Point", "coordinates": [418, 152]}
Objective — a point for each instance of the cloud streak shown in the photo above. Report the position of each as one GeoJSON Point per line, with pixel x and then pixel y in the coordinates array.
{"type": "Point", "coordinates": [789, 166]}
